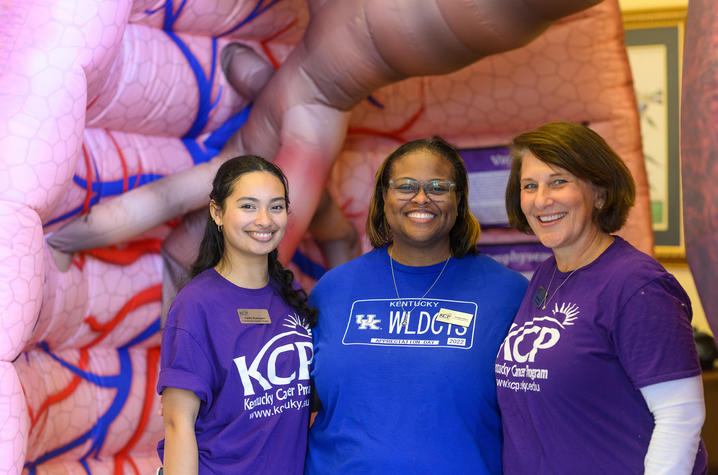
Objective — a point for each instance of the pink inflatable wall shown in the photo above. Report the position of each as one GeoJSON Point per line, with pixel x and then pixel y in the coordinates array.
{"type": "Point", "coordinates": [699, 151]}
{"type": "Point", "coordinates": [112, 118]}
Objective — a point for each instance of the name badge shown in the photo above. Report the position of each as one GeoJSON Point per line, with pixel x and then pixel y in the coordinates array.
{"type": "Point", "coordinates": [454, 317]}
{"type": "Point", "coordinates": [253, 315]}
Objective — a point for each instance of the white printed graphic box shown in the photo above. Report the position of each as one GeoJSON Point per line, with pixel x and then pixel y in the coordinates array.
{"type": "Point", "coordinates": [408, 323]}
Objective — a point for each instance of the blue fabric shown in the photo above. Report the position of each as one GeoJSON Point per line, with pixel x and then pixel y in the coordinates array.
{"type": "Point", "coordinates": [415, 399]}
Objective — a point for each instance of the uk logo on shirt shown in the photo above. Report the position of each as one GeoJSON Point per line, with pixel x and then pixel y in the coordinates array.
{"type": "Point", "coordinates": [368, 322]}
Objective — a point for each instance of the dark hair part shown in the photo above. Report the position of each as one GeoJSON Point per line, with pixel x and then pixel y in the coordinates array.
{"type": "Point", "coordinates": [583, 153]}
{"type": "Point", "coordinates": [211, 249]}
{"type": "Point", "coordinates": [465, 233]}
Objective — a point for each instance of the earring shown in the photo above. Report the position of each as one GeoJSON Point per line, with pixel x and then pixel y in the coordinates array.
{"type": "Point", "coordinates": [220, 228]}
{"type": "Point", "coordinates": [599, 204]}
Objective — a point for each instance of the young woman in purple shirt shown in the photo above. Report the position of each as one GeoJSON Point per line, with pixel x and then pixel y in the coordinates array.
{"type": "Point", "coordinates": [237, 344]}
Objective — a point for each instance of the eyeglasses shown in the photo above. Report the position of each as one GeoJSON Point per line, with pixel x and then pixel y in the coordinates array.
{"type": "Point", "coordinates": [407, 188]}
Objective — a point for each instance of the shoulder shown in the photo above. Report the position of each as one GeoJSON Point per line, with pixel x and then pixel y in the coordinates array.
{"type": "Point", "coordinates": [343, 280]}
{"type": "Point", "coordinates": [204, 282]}
{"type": "Point", "coordinates": [624, 263]}
{"type": "Point", "coordinates": [191, 299]}
{"type": "Point", "coordinates": [352, 269]}
{"type": "Point", "coordinates": [631, 272]}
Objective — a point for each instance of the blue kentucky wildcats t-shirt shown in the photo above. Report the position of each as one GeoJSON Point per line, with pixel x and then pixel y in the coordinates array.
{"type": "Point", "coordinates": [407, 384]}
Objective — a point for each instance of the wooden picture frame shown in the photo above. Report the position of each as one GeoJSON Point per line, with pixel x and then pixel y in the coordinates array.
{"type": "Point", "coordinates": [654, 42]}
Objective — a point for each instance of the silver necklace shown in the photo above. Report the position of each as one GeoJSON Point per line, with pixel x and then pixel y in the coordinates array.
{"type": "Point", "coordinates": [545, 300]}
{"type": "Point", "coordinates": [405, 319]}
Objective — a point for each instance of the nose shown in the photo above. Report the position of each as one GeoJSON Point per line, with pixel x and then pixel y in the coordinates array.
{"type": "Point", "coordinates": [543, 197]}
{"type": "Point", "coordinates": [421, 197]}
{"type": "Point", "coordinates": [262, 217]}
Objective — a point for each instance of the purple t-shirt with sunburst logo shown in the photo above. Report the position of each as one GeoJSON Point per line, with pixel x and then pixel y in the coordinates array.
{"type": "Point", "coordinates": [569, 372]}
{"type": "Point", "coordinates": [250, 373]}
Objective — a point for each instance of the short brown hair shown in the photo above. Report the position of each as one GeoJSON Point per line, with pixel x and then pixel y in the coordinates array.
{"type": "Point", "coordinates": [583, 153]}
{"type": "Point", "coordinates": [465, 233]}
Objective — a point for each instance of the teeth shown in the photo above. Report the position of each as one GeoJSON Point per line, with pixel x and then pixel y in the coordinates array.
{"type": "Point", "coordinates": [261, 235]}
{"type": "Point", "coordinates": [420, 215]}
{"type": "Point", "coordinates": [551, 217]}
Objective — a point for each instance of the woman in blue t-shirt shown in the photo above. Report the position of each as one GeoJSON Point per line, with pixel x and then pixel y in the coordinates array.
{"type": "Point", "coordinates": [407, 334]}
{"type": "Point", "coordinates": [237, 343]}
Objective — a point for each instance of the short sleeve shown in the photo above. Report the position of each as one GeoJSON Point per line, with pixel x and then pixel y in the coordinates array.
{"type": "Point", "coordinates": [653, 334]}
{"type": "Point", "coordinates": [184, 364]}
{"type": "Point", "coordinates": [316, 297]}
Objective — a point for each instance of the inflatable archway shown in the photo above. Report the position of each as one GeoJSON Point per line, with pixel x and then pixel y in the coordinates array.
{"type": "Point", "coordinates": [112, 120]}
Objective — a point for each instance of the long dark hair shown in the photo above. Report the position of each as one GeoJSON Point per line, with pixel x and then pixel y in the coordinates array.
{"type": "Point", "coordinates": [211, 249]}
{"type": "Point", "coordinates": [465, 233]}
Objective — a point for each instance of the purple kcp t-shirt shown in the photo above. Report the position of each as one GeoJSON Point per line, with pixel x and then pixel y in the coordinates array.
{"type": "Point", "coordinates": [250, 370]}
{"type": "Point", "coordinates": [568, 375]}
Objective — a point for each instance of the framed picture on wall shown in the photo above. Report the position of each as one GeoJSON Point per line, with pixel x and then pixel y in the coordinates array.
{"type": "Point", "coordinates": [654, 41]}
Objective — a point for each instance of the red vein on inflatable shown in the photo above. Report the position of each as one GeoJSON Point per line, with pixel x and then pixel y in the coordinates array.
{"type": "Point", "coordinates": [125, 177]}
{"type": "Point", "coordinates": [153, 356]}
{"type": "Point", "coordinates": [391, 134]}
{"type": "Point", "coordinates": [174, 222]}
{"type": "Point", "coordinates": [128, 254]}
{"type": "Point", "coordinates": [24, 393]}
{"type": "Point", "coordinates": [344, 206]}
{"type": "Point", "coordinates": [143, 297]}
{"type": "Point", "coordinates": [92, 102]}
{"type": "Point", "coordinates": [63, 394]}
{"type": "Point", "coordinates": [139, 173]}
{"type": "Point", "coordinates": [88, 191]}
{"type": "Point", "coordinates": [133, 464]}
{"type": "Point", "coordinates": [265, 46]}
{"type": "Point", "coordinates": [79, 261]}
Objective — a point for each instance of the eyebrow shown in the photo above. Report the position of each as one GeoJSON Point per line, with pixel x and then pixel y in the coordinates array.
{"type": "Point", "coordinates": [550, 176]}
{"type": "Point", "coordinates": [255, 200]}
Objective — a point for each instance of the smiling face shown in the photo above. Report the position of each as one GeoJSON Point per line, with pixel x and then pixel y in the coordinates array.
{"type": "Point", "coordinates": [559, 208]}
{"type": "Point", "coordinates": [420, 225]}
{"type": "Point", "coordinates": [254, 216]}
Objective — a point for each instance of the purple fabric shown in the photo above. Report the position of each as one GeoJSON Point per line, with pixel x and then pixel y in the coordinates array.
{"type": "Point", "coordinates": [568, 377]}
{"type": "Point", "coordinates": [252, 379]}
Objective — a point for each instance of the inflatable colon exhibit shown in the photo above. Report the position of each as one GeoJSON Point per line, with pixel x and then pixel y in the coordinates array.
{"type": "Point", "coordinates": [116, 115]}
{"type": "Point", "coordinates": [699, 142]}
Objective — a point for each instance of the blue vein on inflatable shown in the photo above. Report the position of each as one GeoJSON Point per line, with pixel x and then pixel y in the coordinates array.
{"type": "Point", "coordinates": [122, 382]}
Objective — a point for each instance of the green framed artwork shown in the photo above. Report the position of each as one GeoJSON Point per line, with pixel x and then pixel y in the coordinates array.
{"type": "Point", "coordinates": [654, 43]}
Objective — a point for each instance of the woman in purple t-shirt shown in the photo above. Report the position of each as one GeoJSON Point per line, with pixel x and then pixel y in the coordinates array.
{"type": "Point", "coordinates": [599, 372]}
{"type": "Point", "coordinates": [237, 344]}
